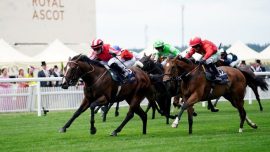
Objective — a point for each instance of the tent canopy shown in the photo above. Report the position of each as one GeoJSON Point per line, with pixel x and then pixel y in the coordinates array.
{"type": "Point", "coordinates": [55, 52]}
{"type": "Point", "coordinates": [10, 55]}
{"type": "Point", "coordinates": [265, 54]}
{"type": "Point", "coordinates": [242, 51]}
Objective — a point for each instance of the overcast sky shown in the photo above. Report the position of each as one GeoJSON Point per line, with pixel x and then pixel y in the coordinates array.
{"type": "Point", "coordinates": [123, 22]}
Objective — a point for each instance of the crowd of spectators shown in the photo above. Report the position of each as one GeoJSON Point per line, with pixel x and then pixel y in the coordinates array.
{"type": "Point", "coordinates": [31, 73]}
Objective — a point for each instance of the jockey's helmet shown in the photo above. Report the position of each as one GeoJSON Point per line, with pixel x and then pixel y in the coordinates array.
{"type": "Point", "coordinates": [117, 47]}
{"type": "Point", "coordinates": [96, 44]}
{"type": "Point", "coordinates": [158, 44]}
{"type": "Point", "coordinates": [195, 41]}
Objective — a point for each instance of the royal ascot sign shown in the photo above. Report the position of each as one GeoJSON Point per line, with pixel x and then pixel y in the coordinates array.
{"type": "Point", "coordinates": [48, 10]}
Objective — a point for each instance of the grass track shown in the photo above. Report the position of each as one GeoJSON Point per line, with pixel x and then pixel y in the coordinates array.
{"type": "Point", "coordinates": [211, 132]}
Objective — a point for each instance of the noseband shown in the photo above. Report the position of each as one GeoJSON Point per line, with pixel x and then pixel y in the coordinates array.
{"type": "Point", "coordinates": [77, 67]}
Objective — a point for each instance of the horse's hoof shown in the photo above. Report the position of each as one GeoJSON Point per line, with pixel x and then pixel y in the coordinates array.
{"type": "Point", "coordinates": [254, 126]}
{"type": "Point", "coordinates": [114, 133]}
{"type": "Point", "coordinates": [116, 114]}
{"type": "Point", "coordinates": [93, 131]}
{"type": "Point", "coordinates": [174, 125]}
{"type": "Point", "coordinates": [194, 114]}
{"type": "Point", "coordinates": [62, 130]}
{"type": "Point", "coordinates": [240, 130]}
{"type": "Point", "coordinates": [214, 110]}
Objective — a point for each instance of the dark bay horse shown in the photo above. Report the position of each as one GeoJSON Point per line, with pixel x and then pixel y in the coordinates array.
{"type": "Point", "coordinates": [100, 89]}
{"type": "Point", "coordinates": [195, 87]}
{"type": "Point", "coordinates": [162, 96]}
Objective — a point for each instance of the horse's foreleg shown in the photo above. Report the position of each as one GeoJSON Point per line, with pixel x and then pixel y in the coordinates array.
{"type": "Point", "coordinates": [139, 111]}
{"type": "Point", "coordinates": [190, 111]}
{"type": "Point", "coordinates": [82, 108]}
{"type": "Point", "coordinates": [117, 109]}
{"type": "Point", "coordinates": [187, 103]}
{"type": "Point", "coordinates": [129, 116]}
{"type": "Point", "coordinates": [93, 129]}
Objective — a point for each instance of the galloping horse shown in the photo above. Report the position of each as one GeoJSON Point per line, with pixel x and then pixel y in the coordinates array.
{"type": "Point", "coordinates": [172, 87]}
{"type": "Point", "coordinates": [249, 74]}
{"type": "Point", "coordinates": [195, 87]}
{"type": "Point", "coordinates": [100, 89]}
{"type": "Point", "coordinates": [162, 96]}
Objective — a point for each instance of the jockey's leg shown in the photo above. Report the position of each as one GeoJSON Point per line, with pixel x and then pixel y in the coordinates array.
{"type": "Point", "coordinates": [235, 64]}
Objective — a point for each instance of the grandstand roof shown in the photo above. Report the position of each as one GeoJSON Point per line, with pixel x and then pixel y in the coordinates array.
{"type": "Point", "coordinates": [10, 55]}
{"type": "Point", "coordinates": [55, 52]}
{"type": "Point", "coordinates": [242, 51]}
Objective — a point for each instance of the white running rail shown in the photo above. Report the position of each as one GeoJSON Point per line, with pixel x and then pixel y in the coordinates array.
{"type": "Point", "coordinates": [33, 98]}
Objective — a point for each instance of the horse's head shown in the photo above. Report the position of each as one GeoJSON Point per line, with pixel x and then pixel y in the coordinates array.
{"type": "Point", "coordinates": [75, 69]}
{"type": "Point", "coordinates": [174, 67]}
{"type": "Point", "coordinates": [150, 66]}
{"type": "Point", "coordinates": [147, 62]}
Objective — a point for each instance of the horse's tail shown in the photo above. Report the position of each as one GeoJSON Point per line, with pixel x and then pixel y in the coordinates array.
{"type": "Point", "coordinates": [253, 80]}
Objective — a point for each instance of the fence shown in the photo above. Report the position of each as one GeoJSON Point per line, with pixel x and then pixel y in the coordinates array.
{"type": "Point", "coordinates": [33, 98]}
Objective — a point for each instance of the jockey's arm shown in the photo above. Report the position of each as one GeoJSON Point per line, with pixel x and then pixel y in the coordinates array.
{"type": "Point", "coordinates": [190, 53]}
{"type": "Point", "coordinates": [209, 52]}
{"type": "Point", "coordinates": [113, 51]}
{"type": "Point", "coordinates": [174, 51]}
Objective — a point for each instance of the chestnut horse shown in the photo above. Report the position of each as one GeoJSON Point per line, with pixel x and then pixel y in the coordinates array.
{"type": "Point", "coordinates": [195, 87]}
{"type": "Point", "coordinates": [249, 74]}
{"type": "Point", "coordinates": [100, 89]}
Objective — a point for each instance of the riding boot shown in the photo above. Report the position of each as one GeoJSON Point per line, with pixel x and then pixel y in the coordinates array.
{"type": "Point", "coordinates": [119, 70]}
{"type": "Point", "coordinates": [215, 71]}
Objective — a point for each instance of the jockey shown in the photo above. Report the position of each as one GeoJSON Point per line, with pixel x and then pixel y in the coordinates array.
{"type": "Point", "coordinates": [209, 53]}
{"type": "Point", "coordinates": [107, 55]}
{"type": "Point", "coordinates": [128, 57]}
{"type": "Point", "coordinates": [164, 50]}
{"type": "Point", "coordinates": [229, 59]}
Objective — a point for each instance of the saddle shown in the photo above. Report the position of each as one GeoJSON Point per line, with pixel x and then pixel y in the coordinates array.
{"type": "Point", "coordinates": [222, 75]}
{"type": "Point", "coordinates": [119, 78]}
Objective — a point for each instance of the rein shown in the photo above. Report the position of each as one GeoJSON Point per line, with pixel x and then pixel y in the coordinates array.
{"type": "Point", "coordinates": [90, 71]}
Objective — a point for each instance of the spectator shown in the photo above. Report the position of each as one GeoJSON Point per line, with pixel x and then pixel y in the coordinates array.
{"type": "Point", "coordinates": [259, 66]}
{"type": "Point", "coordinates": [21, 75]}
{"type": "Point", "coordinates": [21, 101]}
{"type": "Point", "coordinates": [43, 73]}
{"type": "Point", "coordinates": [5, 88]}
{"type": "Point", "coordinates": [256, 67]}
{"type": "Point", "coordinates": [56, 73]}
{"type": "Point", "coordinates": [243, 64]}
{"type": "Point", "coordinates": [30, 74]}
{"type": "Point", "coordinates": [4, 72]}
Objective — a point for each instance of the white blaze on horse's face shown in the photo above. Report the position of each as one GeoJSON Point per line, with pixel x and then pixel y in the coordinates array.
{"type": "Point", "coordinates": [167, 64]}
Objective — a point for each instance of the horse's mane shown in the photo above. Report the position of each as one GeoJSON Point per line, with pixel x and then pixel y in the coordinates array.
{"type": "Point", "coordinates": [188, 61]}
{"type": "Point", "coordinates": [86, 59]}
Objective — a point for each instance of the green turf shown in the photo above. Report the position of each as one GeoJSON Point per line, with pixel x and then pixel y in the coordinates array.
{"type": "Point", "coordinates": [211, 132]}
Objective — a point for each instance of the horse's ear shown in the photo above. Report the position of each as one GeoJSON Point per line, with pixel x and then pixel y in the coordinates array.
{"type": "Point", "coordinates": [150, 56]}
{"type": "Point", "coordinates": [179, 57]}
{"type": "Point", "coordinates": [144, 54]}
{"type": "Point", "coordinates": [69, 58]}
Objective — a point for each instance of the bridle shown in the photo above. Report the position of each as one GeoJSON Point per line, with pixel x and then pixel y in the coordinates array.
{"type": "Point", "coordinates": [179, 78]}
{"type": "Point", "coordinates": [92, 69]}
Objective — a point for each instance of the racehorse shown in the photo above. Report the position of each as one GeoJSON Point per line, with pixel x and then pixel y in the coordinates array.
{"type": "Point", "coordinates": [249, 74]}
{"type": "Point", "coordinates": [162, 96]}
{"type": "Point", "coordinates": [101, 89]}
{"type": "Point", "coordinates": [195, 87]}
{"type": "Point", "coordinates": [172, 87]}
